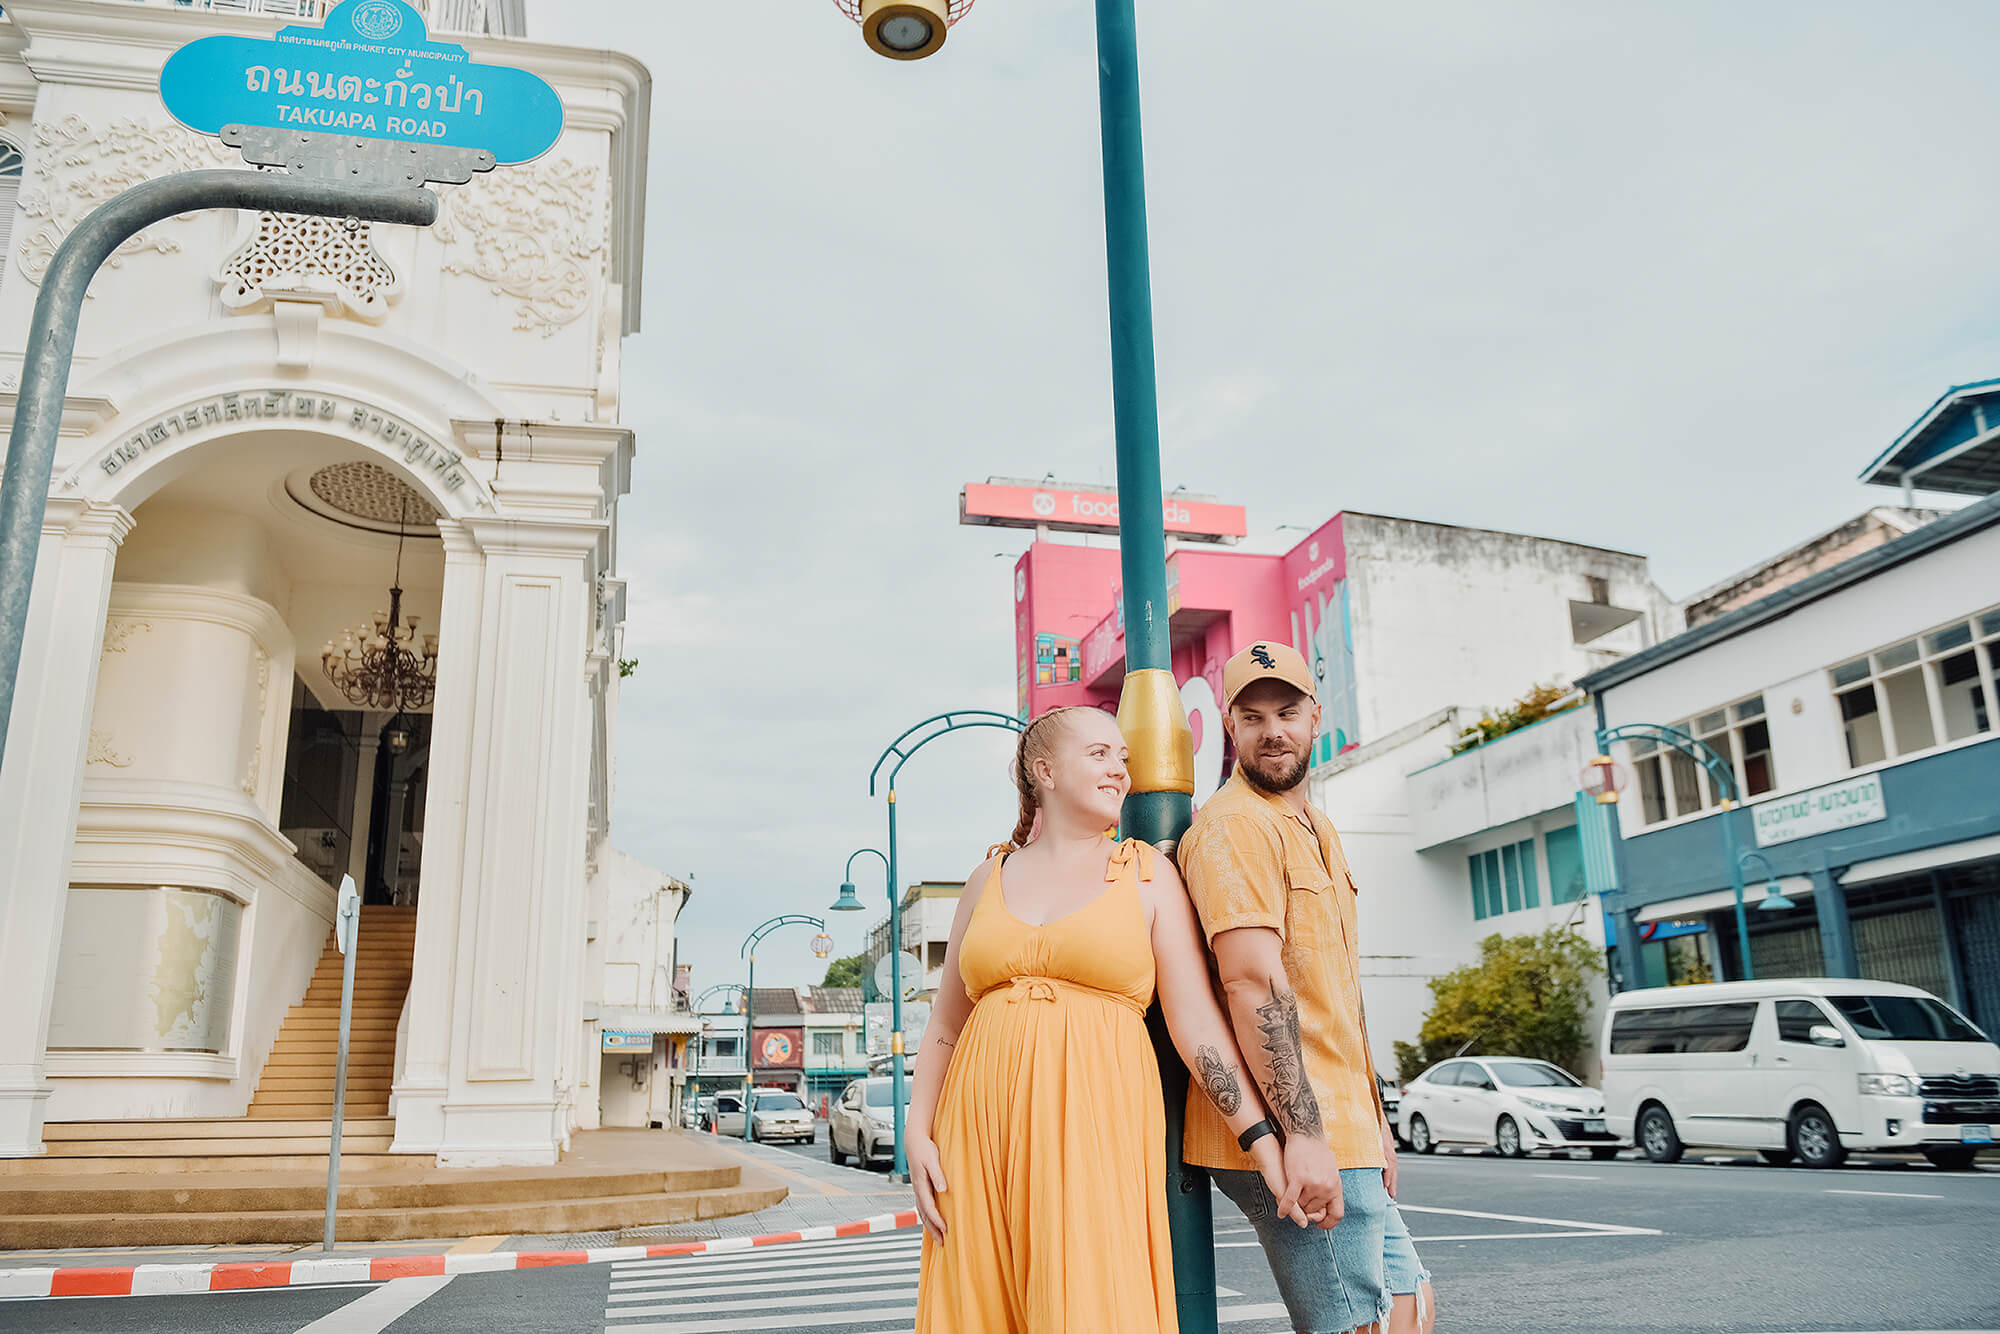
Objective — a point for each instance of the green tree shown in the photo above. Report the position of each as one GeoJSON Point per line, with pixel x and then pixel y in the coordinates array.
{"type": "Point", "coordinates": [1526, 996]}
{"type": "Point", "coordinates": [846, 972]}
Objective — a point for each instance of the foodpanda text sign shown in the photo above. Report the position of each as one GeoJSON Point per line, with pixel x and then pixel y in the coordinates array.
{"type": "Point", "coordinates": [1076, 510]}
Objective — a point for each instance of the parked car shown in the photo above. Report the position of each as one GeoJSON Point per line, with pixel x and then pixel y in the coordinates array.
{"type": "Point", "coordinates": [1392, 1097]}
{"type": "Point", "coordinates": [723, 1110]}
{"type": "Point", "coordinates": [779, 1113]}
{"type": "Point", "coordinates": [1803, 1068]}
{"type": "Point", "coordinates": [1507, 1103]}
{"type": "Point", "coordinates": [863, 1121]}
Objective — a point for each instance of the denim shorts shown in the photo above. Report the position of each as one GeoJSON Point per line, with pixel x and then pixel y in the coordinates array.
{"type": "Point", "coordinates": [1336, 1280]}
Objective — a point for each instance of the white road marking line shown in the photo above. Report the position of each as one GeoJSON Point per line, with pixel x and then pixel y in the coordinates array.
{"type": "Point", "coordinates": [1566, 1176]}
{"type": "Point", "coordinates": [1892, 1194]}
{"type": "Point", "coordinates": [647, 1292]}
{"type": "Point", "coordinates": [735, 1323]}
{"type": "Point", "coordinates": [753, 1273]}
{"type": "Point", "coordinates": [1229, 1315]}
{"type": "Point", "coordinates": [1614, 1228]}
{"type": "Point", "coordinates": [373, 1312]}
{"type": "Point", "coordinates": [745, 1261]}
{"type": "Point", "coordinates": [1227, 1292]}
{"type": "Point", "coordinates": [860, 1245]}
{"type": "Point", "coordinates": [878, 1297]}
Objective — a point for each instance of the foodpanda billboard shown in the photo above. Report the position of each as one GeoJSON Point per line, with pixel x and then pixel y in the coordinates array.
{"type": "Point", "coordinates": [1001, 502]}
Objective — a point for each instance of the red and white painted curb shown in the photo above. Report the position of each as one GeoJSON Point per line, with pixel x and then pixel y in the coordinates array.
{"type": "Point", "coordinates": [153, 1280]}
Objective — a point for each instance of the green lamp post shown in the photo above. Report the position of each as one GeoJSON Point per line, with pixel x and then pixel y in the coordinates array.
{"type": "Point", "coordinates": [822, 946]}
{"type": "Point", "coordinates": [902, 748]}
{"type": "Point", "coordinates": [850, 901]}
{"type": "Point", "coordinates": [1149, 709]}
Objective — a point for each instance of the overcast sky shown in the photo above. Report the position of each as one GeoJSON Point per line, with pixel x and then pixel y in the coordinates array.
{"type": "Point", "coordinates": [1660, 278]}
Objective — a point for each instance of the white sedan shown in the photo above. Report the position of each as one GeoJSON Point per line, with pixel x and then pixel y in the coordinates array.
{"type": "Point", "coordinates": [1507, 1103]}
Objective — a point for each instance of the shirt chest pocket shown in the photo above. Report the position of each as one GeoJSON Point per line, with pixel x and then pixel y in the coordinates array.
{"type": "Point", "coordinates": [1309, 905]}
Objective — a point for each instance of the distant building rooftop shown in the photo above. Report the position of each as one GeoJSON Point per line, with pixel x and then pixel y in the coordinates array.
{"type": "Point", "coordinates": [1954, 446]}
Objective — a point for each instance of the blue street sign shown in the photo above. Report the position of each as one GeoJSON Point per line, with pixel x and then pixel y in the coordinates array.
{"type": "Point", "coordinates": [371, 72]}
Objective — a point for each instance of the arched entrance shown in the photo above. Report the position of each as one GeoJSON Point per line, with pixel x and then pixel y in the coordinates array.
{"type": "Point", "coordinates": [189, 749]}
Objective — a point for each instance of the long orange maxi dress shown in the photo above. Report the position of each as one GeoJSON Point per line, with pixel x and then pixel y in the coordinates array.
{"type": "Point", "coordinates": [1050, 1127]}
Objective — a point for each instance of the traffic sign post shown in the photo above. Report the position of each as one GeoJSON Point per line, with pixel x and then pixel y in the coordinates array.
{"type": "Point", "coordinates": [361, 113]}
{"type": "Point", "coordinates": [346, 925]}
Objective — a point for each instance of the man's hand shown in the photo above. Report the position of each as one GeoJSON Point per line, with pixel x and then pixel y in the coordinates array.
{"type": "Point", "coordinates": [1314, 1177]}
{"type": "Point", "coordinates": [1270, 1160]}
{"type": "Point", "coordinates": [1388, 1159]}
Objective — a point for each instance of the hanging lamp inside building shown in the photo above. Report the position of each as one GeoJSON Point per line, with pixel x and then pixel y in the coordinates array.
{"type": "Point", "coordinates": [378, 665]}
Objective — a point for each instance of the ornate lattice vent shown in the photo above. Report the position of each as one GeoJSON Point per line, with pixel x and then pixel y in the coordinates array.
{"type": "Point", "coordinates": [370, 492]}
{"type": "Point", "coordinates": [289, 256]}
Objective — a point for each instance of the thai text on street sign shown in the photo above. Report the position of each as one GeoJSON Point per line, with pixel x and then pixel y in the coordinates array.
{"type": "Point", "coordinates": [999, 503]}
{"type": "Point", "coordinates": [371, 72]}
{"type": "Point", "coordinates": [1820, 811]}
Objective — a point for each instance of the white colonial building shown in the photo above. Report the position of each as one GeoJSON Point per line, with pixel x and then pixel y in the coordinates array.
{"type": "Point", "coordinates": [271, 420]}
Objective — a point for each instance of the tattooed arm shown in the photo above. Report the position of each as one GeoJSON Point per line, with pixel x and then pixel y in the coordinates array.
{"type": "Point", "coordinates": [1265, 1012]}
{"type": "Point", "coordinates": [1201, 1031]}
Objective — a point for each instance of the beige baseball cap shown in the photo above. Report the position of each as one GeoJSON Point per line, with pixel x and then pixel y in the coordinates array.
{"type": "Point", "coordinates": [1263, 660]}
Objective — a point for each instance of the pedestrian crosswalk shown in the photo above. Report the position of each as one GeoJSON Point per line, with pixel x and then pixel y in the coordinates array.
{"type": "Point", "coordinates": [852, 1285]}
{"type": "Point", "coordinates": [856, 1284]}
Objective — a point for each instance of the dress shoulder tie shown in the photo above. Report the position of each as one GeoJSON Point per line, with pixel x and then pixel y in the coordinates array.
{"type": "Point", "coordinates": [1131, 859]}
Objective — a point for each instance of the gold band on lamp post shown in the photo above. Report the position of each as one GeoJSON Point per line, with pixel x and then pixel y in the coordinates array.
{"type": "Point", "coordinates": [1155, 724]}
{"type": "Point", "coordinates": [904, 29]}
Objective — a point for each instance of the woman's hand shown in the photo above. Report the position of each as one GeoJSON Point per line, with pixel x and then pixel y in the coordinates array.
{"type": "Point", "coordinates": [927, 1175]}
{"type": "Point", "coordinates": [1270, 1160]}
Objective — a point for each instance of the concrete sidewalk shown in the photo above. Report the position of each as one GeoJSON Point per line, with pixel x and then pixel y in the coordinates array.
{"type": "Point", "coordinates": [819, 1195]}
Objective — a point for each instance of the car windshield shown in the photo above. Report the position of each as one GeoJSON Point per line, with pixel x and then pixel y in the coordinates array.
{"type": "Point", "coordinates": [779, 1102]}
{"type": "Point", "coordinates": [1532, 1075]}
{"type": "Point", "coordinates": [1905, 1019]}
{"type": "Point", "coordinates": [883, 1094]}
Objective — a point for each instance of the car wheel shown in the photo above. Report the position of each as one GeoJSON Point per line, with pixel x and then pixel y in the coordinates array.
{"type": "Point", "coordinates": [1657, 1135]}
{"type": "Point", "coordinates": [1814, 1138]}
{"type": "Point", "coordinates": [1420, 1135]}
{"type": "Point", "coordinates": [1507, 1138]}
{"type": "Point", "coordinates": [1603, 1153]}
{"type": "Point", "coordinates": [833, 1148]}
{"type": "Point", "coordinates": [1776, 1157]}
{"type": "Point", "coordinates": [1952, 1157]}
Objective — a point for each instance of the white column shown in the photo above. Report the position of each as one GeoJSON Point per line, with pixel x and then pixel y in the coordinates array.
{"type": "Point", "coordinates": [422, 1084]}
{"type": "Point", "coordinates": [364, 803]}
{"type": "Point", "coordinates": [514, 1005]}
{"type": "Point", "coordinates": [40, 784]}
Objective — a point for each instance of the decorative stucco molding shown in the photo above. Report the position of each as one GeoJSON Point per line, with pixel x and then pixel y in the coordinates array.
{"type": "Point", "coordinates": [102, 752]}
{"type": "Point", "coordinates": [76, 166]}
{"type": "Point", "coordinates": [294, 257]}
{"type": "Point", "coordinates": [118, 634]}
{"type": "Point", "coordinates": [540, 234]}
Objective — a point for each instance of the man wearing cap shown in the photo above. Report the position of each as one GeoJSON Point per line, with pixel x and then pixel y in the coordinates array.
{"type": "Point", "coordinates": [1267, 875]}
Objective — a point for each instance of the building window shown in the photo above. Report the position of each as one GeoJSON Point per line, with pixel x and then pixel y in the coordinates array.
{"type": "Point", "coordinates": [1673, 784]}
{"type": "Point", "coordinates": [723, 1046]}
{"type": "Point", "coordinates": [827, 1044]}
{"type": "Point", "coordinates": [1503, 880]}
{"type": "Point", "coordinates": [10, 197]}
{"type": "Point", "coordinates": [1923, 692]}
{"type": "Point", "coordinates": [1564, 850]}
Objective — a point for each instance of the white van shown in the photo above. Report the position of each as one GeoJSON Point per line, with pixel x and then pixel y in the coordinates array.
{"type": "Point", "coordinates": [1805, 1068]}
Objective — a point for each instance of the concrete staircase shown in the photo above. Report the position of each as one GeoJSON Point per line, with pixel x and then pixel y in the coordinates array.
{"type": "Point", "coordinates": [297, 1083]}
{"type": "Point", "coordinates": [609, 1180]}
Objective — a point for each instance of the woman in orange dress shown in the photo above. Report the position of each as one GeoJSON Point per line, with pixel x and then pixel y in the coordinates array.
{"type": "Point", "coordinates": [1036, 1134]}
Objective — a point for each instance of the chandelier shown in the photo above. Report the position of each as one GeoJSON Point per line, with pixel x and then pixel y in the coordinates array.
{"type": "Point", "coordinates": [378, 665]}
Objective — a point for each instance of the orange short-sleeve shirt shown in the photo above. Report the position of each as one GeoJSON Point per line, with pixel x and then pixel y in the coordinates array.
{"type": "Point", "coordinates": [1250, 862]}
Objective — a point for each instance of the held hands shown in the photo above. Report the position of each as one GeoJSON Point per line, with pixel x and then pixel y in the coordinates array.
{"type": "Point", "coordinates": [927, 1175]}
{"type": "Point", "coordinates": [1270, 1160]}
{"type": "Point", "coordinates": [1312, 1176]}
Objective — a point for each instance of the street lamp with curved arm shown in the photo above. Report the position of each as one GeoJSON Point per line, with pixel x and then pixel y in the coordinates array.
{"type": "Point", "coordinates": [749, 952]}
{"type": "Point", "coordinates": [1724, 777]}
{"type": "Point", "coordinates": [902, 748]}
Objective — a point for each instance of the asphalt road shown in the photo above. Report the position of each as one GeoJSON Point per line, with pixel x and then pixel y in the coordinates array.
{"type": "Point", "coordinates": [1531, 1245]}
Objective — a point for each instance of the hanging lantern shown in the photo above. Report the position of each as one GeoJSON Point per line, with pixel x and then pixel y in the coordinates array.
{"type": "Point", "coordinates": [1603, 778]}
{"type": "Point", "coordinates": [822, 945]}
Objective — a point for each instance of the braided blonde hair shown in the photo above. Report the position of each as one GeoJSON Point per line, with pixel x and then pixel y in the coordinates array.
{"type": "Point", "coordinates": [1038, 741]}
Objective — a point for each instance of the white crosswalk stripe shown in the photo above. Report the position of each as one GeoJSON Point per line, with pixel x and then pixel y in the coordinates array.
{"type": "Point", "coordinates": [854, 1285]}
{"type": "Point", "coordinates": [857, 1284]}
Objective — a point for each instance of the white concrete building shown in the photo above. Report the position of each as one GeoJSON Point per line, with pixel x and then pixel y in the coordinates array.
{"type": "Point", "coordinates": [270, 419]}
{"type": "Point", "coordinates": [640, 1011]}
{"type": "Point", "coordinates": [1447, 622]}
